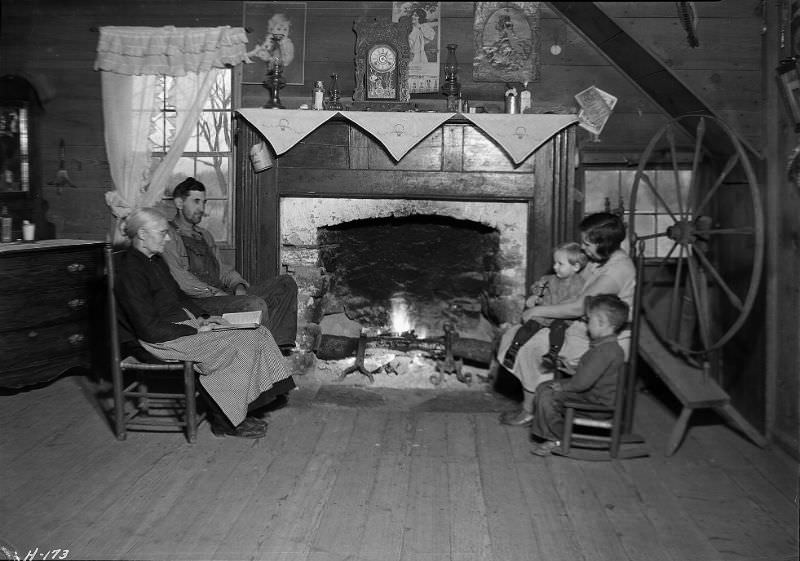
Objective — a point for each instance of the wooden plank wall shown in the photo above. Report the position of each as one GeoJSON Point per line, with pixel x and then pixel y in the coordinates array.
{"type": "Point", "coordinates": [50, 42]}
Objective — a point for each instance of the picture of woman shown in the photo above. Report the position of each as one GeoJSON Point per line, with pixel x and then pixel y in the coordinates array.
{"type": "Point", "coordinates": [422, 32]}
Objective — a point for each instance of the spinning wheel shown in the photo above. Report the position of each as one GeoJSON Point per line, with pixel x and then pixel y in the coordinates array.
{"type": "Point", "coordinates": [712, 242]}
{"type": "Point", "coordinates": [709, 251]}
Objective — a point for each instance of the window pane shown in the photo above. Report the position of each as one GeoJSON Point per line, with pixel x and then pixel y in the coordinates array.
{"type": "Point", "coordinates": [669, 188]}
{"type": "Point", "coordinates": [625, 185]}
{"type": "Point", "coordinates": [220, 95]}
{"type": "Point", "coordinates": [216, 219]}
{"type": "Point", "coordinates": [664, 244]}
{"type": "Point", "coordinates": [601, 185]}
{"type": "Point", "coordinates": [646, 200]}
{"type": "Point", "coordinates": [214, 132]}
{"type": "Point", "coordinates": [644, 224]}
{"type": "Point", "coordinates": [213, 173]}
{"type": "Point", "coordinates": [183, 168]}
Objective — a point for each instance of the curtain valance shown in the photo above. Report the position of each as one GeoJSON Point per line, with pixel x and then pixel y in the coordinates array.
{"type": "Point", "coordinates": [169, 50]}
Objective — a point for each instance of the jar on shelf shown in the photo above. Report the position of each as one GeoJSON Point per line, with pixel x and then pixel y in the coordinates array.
{"type": "Point", "coordinates": [318, 96]}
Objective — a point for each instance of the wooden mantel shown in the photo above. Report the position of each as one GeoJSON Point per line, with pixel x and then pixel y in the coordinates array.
{"type": "Point", "coordinates": [456, 161]}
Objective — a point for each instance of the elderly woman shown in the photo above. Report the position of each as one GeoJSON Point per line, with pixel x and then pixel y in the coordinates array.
{"type": "Point", "coordinates": [241, 369]}
{"type": "Point", "coordinates": [610, 271]}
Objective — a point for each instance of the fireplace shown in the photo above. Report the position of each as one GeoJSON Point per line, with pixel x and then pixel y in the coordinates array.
{"type": "Point", "coordinates": [397, 265]}
{"type": "Point", "coordinates": [457, 183]}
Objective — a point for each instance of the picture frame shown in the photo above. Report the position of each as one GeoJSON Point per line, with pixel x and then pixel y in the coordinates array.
{"type": "Point", "coordinates": [507, 42]}
{"type": "Point", "coordinates": [424, 42]}
{"type": "Point", "coordinates": [263, 20]}
{"type": "Point", "coordinates": [14, 147]}
{"type": "Point", "coordinates": [382, 58]}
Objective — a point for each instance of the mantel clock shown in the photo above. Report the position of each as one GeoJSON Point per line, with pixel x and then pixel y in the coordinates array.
{"type": "Point", "coordinates": [382, 56]}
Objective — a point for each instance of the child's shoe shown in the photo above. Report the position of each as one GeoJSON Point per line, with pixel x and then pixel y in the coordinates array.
{"type": "Point", "coordinates": [545, 448]}
{"type": "Point", "coordinates": [511, 357]}
{"type": "Point", "coordinates": [550, 361]}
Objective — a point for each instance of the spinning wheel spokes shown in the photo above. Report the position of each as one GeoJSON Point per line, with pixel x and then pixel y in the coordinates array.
{"type": "Point", "coordinates": [704, 286]}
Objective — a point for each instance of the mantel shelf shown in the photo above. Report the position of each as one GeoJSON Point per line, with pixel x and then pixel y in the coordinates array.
{"type": "Point", "coordinates": [519, 135]}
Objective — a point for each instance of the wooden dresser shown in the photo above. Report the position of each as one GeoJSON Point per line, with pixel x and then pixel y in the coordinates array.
{"type": "Point", "coordinates": [51, 298]}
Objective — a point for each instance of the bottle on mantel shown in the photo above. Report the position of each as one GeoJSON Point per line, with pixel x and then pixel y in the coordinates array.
{"type": "Point", "coordinates": [525, 99]}
{"type": "Point", "coordinates": [5, 226]}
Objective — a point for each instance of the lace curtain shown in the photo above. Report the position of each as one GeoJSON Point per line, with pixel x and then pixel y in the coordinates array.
{"type": "Point", "coordinates": [132, 59]}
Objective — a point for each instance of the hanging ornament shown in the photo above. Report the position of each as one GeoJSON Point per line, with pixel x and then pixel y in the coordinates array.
{"type": "Point", "coordinates": [555, 48]}
{"type": "Point", "coordinates": [688, 17]}
{"type": "Point", "coordinates": [62, 177]}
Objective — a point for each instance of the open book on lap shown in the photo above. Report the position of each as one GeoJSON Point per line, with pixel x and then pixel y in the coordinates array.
{"type": "Point", "coordinates": [239, 320]}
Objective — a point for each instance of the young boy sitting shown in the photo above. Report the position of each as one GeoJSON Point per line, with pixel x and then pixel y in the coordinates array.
{"type": "Point", "coordinates": [564, 285]}
{"type": "Point", "coordinates": [595, 379]}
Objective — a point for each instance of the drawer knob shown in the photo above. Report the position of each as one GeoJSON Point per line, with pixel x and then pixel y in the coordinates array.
{"type": "Point", "coordinates": [75, 339]}
{"type": "Point", "coordinates": [32, 334]}
{"type": "Point", "coordinates": [75, 267]}
{"type": "Point", "coordinates": [76, 303]}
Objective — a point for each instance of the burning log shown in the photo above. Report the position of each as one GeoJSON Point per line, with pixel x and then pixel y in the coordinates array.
{"type": "Point", "coordinates": [334, 347]}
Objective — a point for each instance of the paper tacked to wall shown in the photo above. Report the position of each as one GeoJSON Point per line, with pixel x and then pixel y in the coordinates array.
{"type": "Point", "coordinates": [596, 107]}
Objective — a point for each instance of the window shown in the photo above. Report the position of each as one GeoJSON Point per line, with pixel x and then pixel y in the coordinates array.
{"type": "Point", "coordinates": [207, 155]}
{"type": "Point", "coordinates": [609, 189]}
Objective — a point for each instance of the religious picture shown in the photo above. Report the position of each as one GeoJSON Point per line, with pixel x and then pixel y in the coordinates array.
{"type": "Point", "coordinates": [423, 41]}
{"type": "Point", "coordinates": [506, 42]}
{"type": "Point", "coordinates": [277, 36]}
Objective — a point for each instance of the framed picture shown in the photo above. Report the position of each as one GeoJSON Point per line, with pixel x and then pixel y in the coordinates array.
{"type": "Point", "coordinates": [507, 42]}
{"type": "Point", "coordinates": [14, 155]}
{"type": "Point", "coordinates": [276, 29]}
{"type": "Point", "coordinates": [423, 42]}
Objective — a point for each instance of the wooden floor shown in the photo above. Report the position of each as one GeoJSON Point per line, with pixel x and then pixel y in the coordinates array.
{"type": "Point", "coordinates": [347, 473]}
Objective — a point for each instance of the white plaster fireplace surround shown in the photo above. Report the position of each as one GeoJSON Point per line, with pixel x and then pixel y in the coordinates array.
{"type": "Point", "coordinates": [301, 217]}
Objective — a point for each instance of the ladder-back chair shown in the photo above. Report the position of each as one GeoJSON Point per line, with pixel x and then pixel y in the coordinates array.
{"type": "Point", "coordinates": [136, 405]}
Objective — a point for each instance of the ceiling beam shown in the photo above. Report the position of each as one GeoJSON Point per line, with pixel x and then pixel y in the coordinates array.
{"type": "Point", "coordinates": [648, 73]}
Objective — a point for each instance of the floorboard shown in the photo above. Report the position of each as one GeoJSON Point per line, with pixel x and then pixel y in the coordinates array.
{"type": "Point", "coordinates": [358, 473]}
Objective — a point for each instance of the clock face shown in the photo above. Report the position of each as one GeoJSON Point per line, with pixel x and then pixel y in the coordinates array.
{"type": "Point", "coordinates": [382, 58]}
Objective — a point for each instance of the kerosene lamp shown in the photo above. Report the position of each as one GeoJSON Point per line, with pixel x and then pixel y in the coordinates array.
{"type": "Point", "coordinates": [274, 80]}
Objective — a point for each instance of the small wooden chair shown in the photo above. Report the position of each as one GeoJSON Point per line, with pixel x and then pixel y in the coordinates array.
{"type": "Point", "coordinates": [156, 411]}
{"type": "Point", "coordinates": [606, 423]}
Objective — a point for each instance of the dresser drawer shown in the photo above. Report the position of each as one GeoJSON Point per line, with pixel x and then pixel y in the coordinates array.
{"type": "Point", "coordinates": [37, 271]}
{"type": "Point", "coordinates": [47, 306]}
{"type": "Point", "coordinates": [44, 344]}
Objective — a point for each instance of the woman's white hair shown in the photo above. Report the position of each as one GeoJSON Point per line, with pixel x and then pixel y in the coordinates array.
{"type": "Point", "coordinates": [140, 218]}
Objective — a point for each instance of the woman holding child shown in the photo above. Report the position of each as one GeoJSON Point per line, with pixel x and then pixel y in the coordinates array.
{"type": "Point", "coordinates": [610, 271]}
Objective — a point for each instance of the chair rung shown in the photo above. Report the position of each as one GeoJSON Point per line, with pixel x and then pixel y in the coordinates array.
{"type": "Point", "coordinates": [154, 395]}
{"type": "Point", "coordinates": [587, 407]}
{"type": "Point", "coordinates": [145, 366]}
{"type": "Point", "coordinates": [136, 418]}
{"type": "Point", "coordinates": [592, 423]}
{"type": "Point", "coordinates": [595, 437]}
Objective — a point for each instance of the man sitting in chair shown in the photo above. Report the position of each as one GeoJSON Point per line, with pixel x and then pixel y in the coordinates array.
{"type": "Point", "coordinates": [194, 262]}
{"type": "Point", "coordinates": [595, 380]}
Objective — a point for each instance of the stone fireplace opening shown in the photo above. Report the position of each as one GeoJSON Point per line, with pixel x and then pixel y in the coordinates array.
{"type": "Point", "coordinates": [412, 273]}
{"type": "Point", "coordinates": [461, 262]}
